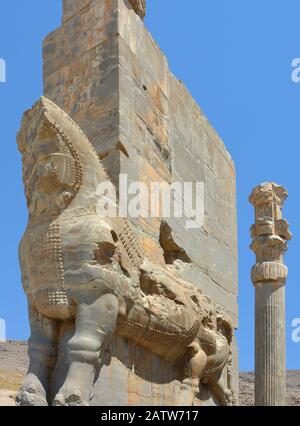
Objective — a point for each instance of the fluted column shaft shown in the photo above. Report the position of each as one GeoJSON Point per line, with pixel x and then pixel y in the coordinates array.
{"type": "Point", "coordinates": [270, 353]}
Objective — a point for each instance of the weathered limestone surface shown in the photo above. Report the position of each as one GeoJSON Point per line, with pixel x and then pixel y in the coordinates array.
{"type": "Point", "coordinates": [73, 7]}
{"type": "Point", "coordinates": [88, 280]}
{"type": "Point", "coordinates": [270, 235]}
{"type": "Point", "coordinates": [14, 364]}
{"type": "Point", "coordinates": [103, 68]}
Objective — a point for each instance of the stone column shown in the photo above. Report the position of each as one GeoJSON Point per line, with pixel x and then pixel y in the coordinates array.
{"type": "Point", "coordinates": [270, 235]}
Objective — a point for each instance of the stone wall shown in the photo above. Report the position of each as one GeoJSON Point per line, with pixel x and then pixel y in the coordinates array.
{"type": "Point", "coordinates": [105, 70]}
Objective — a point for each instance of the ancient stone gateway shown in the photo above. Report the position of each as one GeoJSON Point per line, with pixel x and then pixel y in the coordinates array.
{"type": "Point", "coordinates": [123, 311]}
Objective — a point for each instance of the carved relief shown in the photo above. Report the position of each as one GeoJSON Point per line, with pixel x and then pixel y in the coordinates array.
{"type": "Point", "coordinates": [80, 267]}
{"type": "Point", "coordinates": [171, 249]}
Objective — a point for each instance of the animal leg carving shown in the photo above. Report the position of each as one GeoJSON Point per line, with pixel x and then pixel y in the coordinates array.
{"type": "Point", "coordinates": [95, 324]}
{"type": "Point", "coordinates": [42, 351]}
{"type": "Point", "coordinates": [219, 390]}
{"type": "Point", "coordinates": [194, 370]}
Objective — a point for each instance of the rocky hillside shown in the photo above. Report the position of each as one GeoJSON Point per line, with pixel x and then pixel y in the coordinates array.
{"type": "Point", "coordinates": [13, 366]}
{"type": "Point", "coordinates": [14, 363]}
{"type": "Point", "coordinates": [247, 388]}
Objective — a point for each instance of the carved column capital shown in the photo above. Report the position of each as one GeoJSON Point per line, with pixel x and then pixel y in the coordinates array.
{"type": "Point", "coordinates": [269, 272]}
{"type": "Point", "coordinates": [270, 234]}
{"type": "Point", "coordinates": [268, 192]}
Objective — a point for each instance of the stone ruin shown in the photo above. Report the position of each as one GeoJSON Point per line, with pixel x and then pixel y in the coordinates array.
{"type": "Point", "coordinates": [123, 311]}
{"type": "Point", "coordinates": [270, 235]}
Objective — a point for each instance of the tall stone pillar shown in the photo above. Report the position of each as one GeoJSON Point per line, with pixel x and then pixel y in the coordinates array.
{"type": "Point", "coordinates": [270, 235]}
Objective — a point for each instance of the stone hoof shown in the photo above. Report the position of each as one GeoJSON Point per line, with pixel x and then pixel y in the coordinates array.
{"type": "Point", "coordinates": [32, 393]}
{"type": "Point", "coordinates": [59, 400]}
{"type": "Point", "coordinates": [70, 399]}
{"type": "Point", "coordinates": [228, 397]}
{"type": "Point", "coordinates": [29, 397]}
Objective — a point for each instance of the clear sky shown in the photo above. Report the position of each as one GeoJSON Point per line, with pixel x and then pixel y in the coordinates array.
{"type": "Point", "coordinates": [235, 58]}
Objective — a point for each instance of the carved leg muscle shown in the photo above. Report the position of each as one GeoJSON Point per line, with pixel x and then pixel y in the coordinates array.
{"type": "Point", "coordinates": [42, 351]}
{"type": "Point", "coordinates": [194, 369]}
{"type": "Point", "coordinates": [95, 325]}
{"type": "Point", "coordinates": [219, 390]}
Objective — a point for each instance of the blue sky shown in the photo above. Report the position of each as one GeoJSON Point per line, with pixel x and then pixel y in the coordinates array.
{"type": "Point", "coordinates": [235, 58]}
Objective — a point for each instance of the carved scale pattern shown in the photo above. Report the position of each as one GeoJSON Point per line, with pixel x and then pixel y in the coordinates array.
{"type": "Point", "coordinates": [54, 267]}
{"type": "Point", "coordinates": [131, 245]}
{"type": "Point", "coordinates": [165, 337]}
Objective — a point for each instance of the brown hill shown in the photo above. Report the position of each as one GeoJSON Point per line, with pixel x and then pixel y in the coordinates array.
{"type": "Point", "coordinates": [247, 388]}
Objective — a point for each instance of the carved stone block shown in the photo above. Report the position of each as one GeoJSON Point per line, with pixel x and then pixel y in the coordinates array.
{"type": "Point", "coordinates": [104, 294]}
